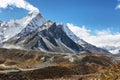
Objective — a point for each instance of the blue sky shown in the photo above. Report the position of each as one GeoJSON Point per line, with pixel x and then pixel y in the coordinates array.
{"type": "Point", "coordinates": [94, 14]}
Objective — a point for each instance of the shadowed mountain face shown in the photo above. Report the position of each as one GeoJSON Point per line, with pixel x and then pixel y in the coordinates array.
{"type": "Point", "coordinates": [34, 33]}
{"type": "Point", "coordinates": [54, 38]}
{"type": "Point", "coordinates": [48, 37]}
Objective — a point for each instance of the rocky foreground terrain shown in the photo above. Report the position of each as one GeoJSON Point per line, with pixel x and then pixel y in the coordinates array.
{"type": "Point", "coordinates": [32, 65]}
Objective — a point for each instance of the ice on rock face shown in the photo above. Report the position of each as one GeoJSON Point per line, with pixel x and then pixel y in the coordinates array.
{"type": "Point", "coordinates": [21, 26]}
{"type": "Point", "coordinates": [32, 21]}
{"type": "Point", "coordinates": [72, 35]}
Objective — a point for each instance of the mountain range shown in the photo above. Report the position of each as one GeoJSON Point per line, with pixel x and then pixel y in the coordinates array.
{"type": "Point", "coordinates": [33, 32]}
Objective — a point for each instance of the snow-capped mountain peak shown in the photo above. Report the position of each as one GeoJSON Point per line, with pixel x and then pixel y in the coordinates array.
{"type": "Point", "coordinates": [32, 17]}
{"type": "Point", "coordinates": [22, 26]}
{"type": "Point", "coordinates": [32, 21]}
{"type": "Point", "coordinates": [53, 37]}
{"type": "Point", "coordinates": [33, 14]}
{"type": "Point", "coordinates": [34, 33]}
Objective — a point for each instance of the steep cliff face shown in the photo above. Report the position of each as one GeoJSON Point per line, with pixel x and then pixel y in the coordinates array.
{"type": "Point", "coordinates": [54, 38]}
{"type": "Point", "coordinates": [34, 33]}
{"type": "Point", "coordinates": [48, 37]}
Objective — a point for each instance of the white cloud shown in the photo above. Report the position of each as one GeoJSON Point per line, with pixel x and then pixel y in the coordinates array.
{"type": "Point", "coordinates": [19, 4]}
{"type": "Point", "coordinates": [118, 6]}
{"type": "Point", "coordinates": [99, 39]}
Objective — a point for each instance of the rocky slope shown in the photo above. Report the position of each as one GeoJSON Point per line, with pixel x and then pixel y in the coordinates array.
{"type": "Point", "coordinates": [54, 38]}
{"type": "Point", "coordinates": [34, 33]}
{"type": "Point", "coordinates": [31, 65]}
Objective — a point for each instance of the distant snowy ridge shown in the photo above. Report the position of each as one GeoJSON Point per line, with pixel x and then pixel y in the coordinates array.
{"type": "Point", "coordinates": [100, 39]}
{"type": "Point", "coordinates": [112, 49]}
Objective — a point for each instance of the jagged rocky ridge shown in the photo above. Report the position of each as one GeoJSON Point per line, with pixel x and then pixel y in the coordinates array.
{"type": "Point", "coordinates": [34, 33]}
{"type": "Point", "coordinates": [54, 38]}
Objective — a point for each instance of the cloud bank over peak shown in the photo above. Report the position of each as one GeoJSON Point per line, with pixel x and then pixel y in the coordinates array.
{"type": "Point", "coordinates": [19, 4]}
{"type": "Point", "coordinates": [100, 39]}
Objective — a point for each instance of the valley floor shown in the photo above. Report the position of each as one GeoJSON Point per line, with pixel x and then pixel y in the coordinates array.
{"type": "Point", "coordinates": [32, 65]}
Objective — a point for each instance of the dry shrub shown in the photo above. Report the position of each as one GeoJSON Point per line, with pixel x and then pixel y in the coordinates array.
{"type": "Point", "coordinates": [10, 63]}
{"type": "Point", "coordinates": [83, 69]}
{"type": "Point", "coordinates": [2, 61]}
{"type": "Point", "coordinates": [52, 72]}
{"type": "Point", "coordinates": [111, 73]}
{"type": "Point", "coordinates": [101, 60]}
